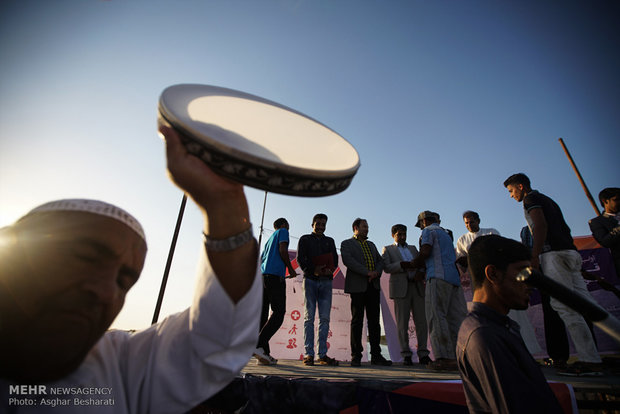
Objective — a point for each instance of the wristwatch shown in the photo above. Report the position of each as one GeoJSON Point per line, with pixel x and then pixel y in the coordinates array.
{"type": "Point", "coordinates": [230, 243]}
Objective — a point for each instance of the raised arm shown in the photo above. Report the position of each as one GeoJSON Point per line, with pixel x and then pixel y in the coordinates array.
{"type": "Point", "coordinates": [225, 210]}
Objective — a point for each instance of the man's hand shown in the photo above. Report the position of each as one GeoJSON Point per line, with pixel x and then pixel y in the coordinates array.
{"type": "Point", "coordinates": [373, 275]}
{"type": "Point", "coordinates": [406, 265]}
{"type": "Point", "coordinates": [209, 190]}
{"type": "Point", "coordinates": [324, 271]}
{"type": "Point", "coordinates": [291, 272]}
{"type": "Point", "coordinates": [225, 211]}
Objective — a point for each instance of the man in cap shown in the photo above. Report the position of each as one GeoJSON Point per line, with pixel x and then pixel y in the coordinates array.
{"type": "Point", "coordinates": [445, 301]}
{"type": "Point", "coordinates": [65, 269]}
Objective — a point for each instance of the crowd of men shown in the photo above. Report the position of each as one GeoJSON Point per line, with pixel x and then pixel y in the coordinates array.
{"type": "Point", "coordinates": [425, 286]}
{"type": "Point", "coordinates": [66, 267]}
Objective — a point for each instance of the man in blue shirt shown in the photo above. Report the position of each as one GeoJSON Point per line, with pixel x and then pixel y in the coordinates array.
{"type": "Point", "coordinates": [445, 302]}
{"type": "Point", "coordinates": [274, 262]}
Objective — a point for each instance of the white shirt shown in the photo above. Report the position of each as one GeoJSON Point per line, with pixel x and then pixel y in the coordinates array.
{"type": "Point", "coordinates": [169, 367]}
{"type": "Point", "coordinates": [463, 243]}
{"type": "Point", "coordinates": [405, 253]}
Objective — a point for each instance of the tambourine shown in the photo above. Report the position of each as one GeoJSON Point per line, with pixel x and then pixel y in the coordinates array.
{"type": "Point", "coordinates": [258, 142]}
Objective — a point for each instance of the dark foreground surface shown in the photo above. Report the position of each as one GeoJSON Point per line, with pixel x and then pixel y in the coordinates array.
{"type": "Point", "coordinates": [291, 387]}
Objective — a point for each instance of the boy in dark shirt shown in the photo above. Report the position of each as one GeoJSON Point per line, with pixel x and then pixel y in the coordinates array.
{"type": "Point", "coordinates": [498, 372]}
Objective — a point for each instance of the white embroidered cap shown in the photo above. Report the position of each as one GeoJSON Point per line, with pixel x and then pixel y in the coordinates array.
{"type": "Point", "coordinates": [91, 206]}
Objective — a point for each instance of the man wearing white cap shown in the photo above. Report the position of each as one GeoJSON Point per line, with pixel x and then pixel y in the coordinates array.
{"type": "Point", "coordinates": [65, 269]}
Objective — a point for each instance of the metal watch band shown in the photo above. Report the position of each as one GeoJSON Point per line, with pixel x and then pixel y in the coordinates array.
{"type": "Point", "coordinates": [231, 243]}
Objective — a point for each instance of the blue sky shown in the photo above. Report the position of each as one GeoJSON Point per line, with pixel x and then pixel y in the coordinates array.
{"type": "Point", "coordinates": [442, 99]}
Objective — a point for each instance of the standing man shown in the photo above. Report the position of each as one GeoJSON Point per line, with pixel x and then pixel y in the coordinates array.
{"type": "Point", "coordinates": [556, 338]}
{"type": "Point", "coordinates": [274, 262]}
{"type": "Point", "coordinates": [318, 259]}
{"type": "Point", "coordinates": [498, 372]}
{"type": "Point", "coordinates": [554, 252]}
{"type": "Point", "coordinates": [445, 302]}
{"type": "Point", "coordinates": [472, 223]}
{"type": "Point", "coordinates": [407, 291]}
{"type": "Point", "coordinates": [606, 227]}
{"type": "Point", "coordinates": [364, 267]}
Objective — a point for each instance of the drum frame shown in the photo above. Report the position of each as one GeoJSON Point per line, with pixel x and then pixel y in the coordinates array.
{"type": "Point", "coordinates": [282, 179]}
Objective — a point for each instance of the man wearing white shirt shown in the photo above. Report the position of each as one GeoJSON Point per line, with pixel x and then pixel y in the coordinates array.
{"type": "Point", "coordinates": [407, 291]}
{"type": "Point", "coordinates": [472, 222]}
{"type": "Point", "coordinates": [65, 269]}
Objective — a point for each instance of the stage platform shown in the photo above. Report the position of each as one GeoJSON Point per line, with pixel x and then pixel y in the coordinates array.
{"type": "Point", "coordinates": [291, 387]}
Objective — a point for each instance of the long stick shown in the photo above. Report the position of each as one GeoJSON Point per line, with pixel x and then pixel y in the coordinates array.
{"type": "Point", "coordinates": [164, 280]}
{"type": "Point", "coordinates": [262, 220]}
{"type": "Point", "coordinates": [583, 184]}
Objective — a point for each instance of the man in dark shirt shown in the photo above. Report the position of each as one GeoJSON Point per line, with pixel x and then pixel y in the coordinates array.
{"type": "Point", "coordinates": [318, 259]}
{"type": "Point", "coordinates": [554, 252]}
{"type": "Point", "coordinates": [498, 372]}
{"type": "Point", "coordinates": [606, 227]}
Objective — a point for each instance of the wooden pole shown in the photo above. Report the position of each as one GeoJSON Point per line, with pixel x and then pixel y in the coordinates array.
{"type": "Point", "coordinates": [173, 244]}
{"type": "Point", "coordinates": [583, 184]}
{"type": "Point", "coordinates": [262, 220]}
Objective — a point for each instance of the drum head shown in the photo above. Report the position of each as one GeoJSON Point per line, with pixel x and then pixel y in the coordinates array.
{"type": "Point", "coordinates": [258, 142]}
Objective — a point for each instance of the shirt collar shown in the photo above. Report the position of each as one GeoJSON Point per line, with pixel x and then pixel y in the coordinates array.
{"type": "Point", "coordinates": [494, 315]}
{"type": "Point", "coordinates": [490, 313]}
